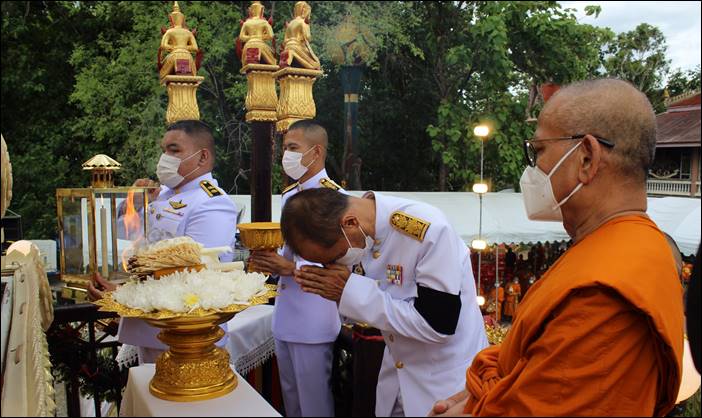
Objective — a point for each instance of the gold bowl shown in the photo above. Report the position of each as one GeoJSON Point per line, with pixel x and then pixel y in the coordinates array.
{"type": "Point", "coordinates": [193, 368]}
{"type": "Point", "coordinates": [261, 235]}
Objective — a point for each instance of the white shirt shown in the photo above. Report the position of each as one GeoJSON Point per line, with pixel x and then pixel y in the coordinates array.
{"type": "Point", "coordinates": [186, 211]}
{"type": "Point", "coordinates": [421, 363]}
{"type": "Point", "coordinates": [302, 317]}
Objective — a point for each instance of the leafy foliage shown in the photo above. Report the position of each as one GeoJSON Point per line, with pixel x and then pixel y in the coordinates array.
{"type": "Point", "coordinates": [79, 78]}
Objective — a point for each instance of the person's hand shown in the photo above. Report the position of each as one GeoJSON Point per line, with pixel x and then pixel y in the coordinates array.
{"type": "Point", "coordinates": [451, 407]}
{"type": "Point", "coordinates": [95, 291]}
{"type": "Point", "coordinates": [327, 282]}
{"type": "Point", "coordinates": [271, 262]}
{"type": "Point", "coordinates": [149, 183]}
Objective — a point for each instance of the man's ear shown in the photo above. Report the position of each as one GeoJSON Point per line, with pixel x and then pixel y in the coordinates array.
{"type": "Point", "coordinates": [348, 221]}
{"type": "Point", "coordinates": [205, 157]}
{"type": "Point", "coordinates": [590, 159]}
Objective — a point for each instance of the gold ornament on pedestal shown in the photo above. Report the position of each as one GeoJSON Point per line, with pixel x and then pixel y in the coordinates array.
{"type": "Point", "coordinates": [259, 64]}
{"type": "Point", "coordinates": [178, 70]}
{"type": "Point", "coordinates": [101, 168]}
{"type": "Point", "coordinates": [300, 68]}
{"type": "Point", "coordinates": [193, 368]}
{"type": "Point", "coordinates": [261, 236]}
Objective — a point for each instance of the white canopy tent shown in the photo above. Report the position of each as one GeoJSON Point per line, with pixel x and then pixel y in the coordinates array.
{"type": "Point", "coordinates": [505, 221]}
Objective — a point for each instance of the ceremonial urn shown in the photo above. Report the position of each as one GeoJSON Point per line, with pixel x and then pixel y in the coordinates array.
{"type": "Point", "coordinates": [261, 236]}
{"type": "Point", "coordinates": [193, 369]}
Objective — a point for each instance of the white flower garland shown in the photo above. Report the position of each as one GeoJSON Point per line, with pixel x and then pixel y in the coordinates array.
{"type": "Point", "coordinates": [186, 291]}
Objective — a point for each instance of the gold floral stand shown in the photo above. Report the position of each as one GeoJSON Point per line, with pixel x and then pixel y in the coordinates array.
{"type": "Point", "coordinates": [193, 368]}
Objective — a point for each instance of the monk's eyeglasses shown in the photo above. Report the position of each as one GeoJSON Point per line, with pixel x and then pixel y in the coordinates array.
{"type": "Point", "coordinates": [530, 151]}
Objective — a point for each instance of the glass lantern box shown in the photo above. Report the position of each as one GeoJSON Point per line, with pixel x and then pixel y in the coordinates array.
{"type": "Point", "coordinates": [100, 227]}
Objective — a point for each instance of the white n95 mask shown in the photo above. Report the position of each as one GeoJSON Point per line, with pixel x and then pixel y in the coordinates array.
{"type": "Point", "coordinates": [354, 255]}
{"type": "Point", "coordinates": [539, 201]}
{"type": "Point", "coordinates": [292, 164]}
{"type": "Point", "coordinates": [167, 169]}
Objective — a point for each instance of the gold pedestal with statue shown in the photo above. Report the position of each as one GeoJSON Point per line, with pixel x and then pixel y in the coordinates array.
{"type": "Point", "coordinates": [182, 99]}
{"type": "Point", "coordinates": [178, 68]}
{"type": "Point", "coordinates": [261, 97]}
{"type": "Point", "coordinates": [296, 100]}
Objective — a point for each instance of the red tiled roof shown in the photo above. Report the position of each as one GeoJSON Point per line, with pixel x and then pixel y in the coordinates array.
{"type": "Point", "coordinates": [690, 101]}
{"type": "Point", "coordinates": [679, 126]}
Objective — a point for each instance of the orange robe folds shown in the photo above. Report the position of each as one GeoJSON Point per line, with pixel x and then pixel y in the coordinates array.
{"type": "Point", "coordinates": [514, 291]}
{"type": "Point", "coordinates": [600, 334]}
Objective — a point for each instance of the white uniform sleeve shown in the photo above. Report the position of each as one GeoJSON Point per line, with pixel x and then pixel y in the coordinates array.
{"type": "Point", "coordinates": [437, 269]}
{"type": "Point", "coordinates": [213, 223]}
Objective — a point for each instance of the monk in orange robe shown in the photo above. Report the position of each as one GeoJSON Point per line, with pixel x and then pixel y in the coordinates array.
{"type": "Point", "coordinates": [601, 333]}
{"type": "Point", "coordinates": [514, 292]}
{"type": "Point", "coordinates": [497, 296]}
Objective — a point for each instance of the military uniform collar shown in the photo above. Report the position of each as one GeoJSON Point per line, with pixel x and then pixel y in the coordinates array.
{"type": "Point", "coordinates": [313, 182]}
{"type": "Point", "coordinates": [382, 217]}
{"type": "Point", "coordinates": [195, 183]}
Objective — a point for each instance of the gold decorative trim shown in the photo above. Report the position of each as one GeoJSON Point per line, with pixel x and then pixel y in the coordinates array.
{"type": "Point", "coordinates": [296, 99]}
{"type": "Point", "coordinates": [329, 184]}
{"type": "Point", "coordinates": [108, 304]}
{"type": "Point", "coordinates": [261, 97]}
{"type": "Point", "coordinates": [409, 225]}
{"type": "Point", "coordinates": [182, 98]}
{"type": "Point", "coordinates": [290, 187]}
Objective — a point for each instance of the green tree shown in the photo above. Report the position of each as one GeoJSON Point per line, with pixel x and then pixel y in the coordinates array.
{"type": "Point", "coordinates": [639, 56]}
{"type": "Point", "coordinates": [485, 73]}
{"type": "Point", "coordinates": [683, 81]}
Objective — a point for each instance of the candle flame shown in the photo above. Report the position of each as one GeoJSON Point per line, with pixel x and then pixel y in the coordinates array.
{"type": "Point", "coordinates": [132, 228]}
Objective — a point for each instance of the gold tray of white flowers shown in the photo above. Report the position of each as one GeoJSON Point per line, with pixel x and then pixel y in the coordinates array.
{"type": "Point", "coordinates": [188, 294]}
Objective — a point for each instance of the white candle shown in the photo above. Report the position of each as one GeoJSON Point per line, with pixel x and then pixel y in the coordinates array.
{"type": "Point", "coordinates": [103, 234]}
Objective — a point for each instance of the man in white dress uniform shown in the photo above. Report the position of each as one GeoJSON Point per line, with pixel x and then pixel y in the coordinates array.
{"type": "Point", "coordinates": [411, 278]}
{"type": "Point", "coordinates": [189, 203]}
{"type": "Point", "coordinates": [305, 325]}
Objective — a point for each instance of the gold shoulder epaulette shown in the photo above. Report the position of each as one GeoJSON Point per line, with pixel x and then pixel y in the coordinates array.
{"type": "Point", "coordinates": [329, 184]}
{"type": "Point", "coordinates": [292, 186]}
{"type": "Point", "coordinates": [407, 224]}
{"type": "Point", "coordinates": [210, 188]}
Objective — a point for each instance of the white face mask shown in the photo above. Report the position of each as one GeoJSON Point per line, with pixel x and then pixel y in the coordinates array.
{"type": "Point", "coordinates": [537, 192]}
{"type": "Point", "coordinates": [167, 170]}
{"type": "Point", "coordinates": [354, 255]}
{"type": "Point", "coordinates": [292, 164]}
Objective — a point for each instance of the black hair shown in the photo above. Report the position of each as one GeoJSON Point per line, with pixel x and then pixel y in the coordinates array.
{"type": "Point", "coordinates": [305, 124]}
{"type": "Point", "coordinates": [315, 215]}
{"type": "Point", "coordinates": [196, 129]}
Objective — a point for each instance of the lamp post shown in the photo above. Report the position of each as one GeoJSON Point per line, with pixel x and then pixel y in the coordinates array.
{"type": "Point", "coordinates": [481, 131]}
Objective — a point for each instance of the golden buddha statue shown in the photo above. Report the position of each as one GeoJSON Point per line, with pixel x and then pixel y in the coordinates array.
{"type": "Point", "coordinates": [255, 31]}
{"type": "Point", "coordinates": [297, 51]}
{"type": "Point", "coordinates": [180, 44]}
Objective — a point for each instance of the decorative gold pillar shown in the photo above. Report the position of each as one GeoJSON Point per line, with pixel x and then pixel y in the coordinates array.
{"type": "Point", "coordinates": [296, 100]}
{"type": "Point", "coordinates": [182, 99]}
{"type": "Point", "coordinates": [261, 97]}
{"type": "Point", "coordinates": [178, 69]}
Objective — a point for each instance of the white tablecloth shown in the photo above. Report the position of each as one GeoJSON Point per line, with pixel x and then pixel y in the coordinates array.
{"type": "Point", "coordinates": [243, 401]}
{"type": "Point", "coordinates": [250, 341]}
